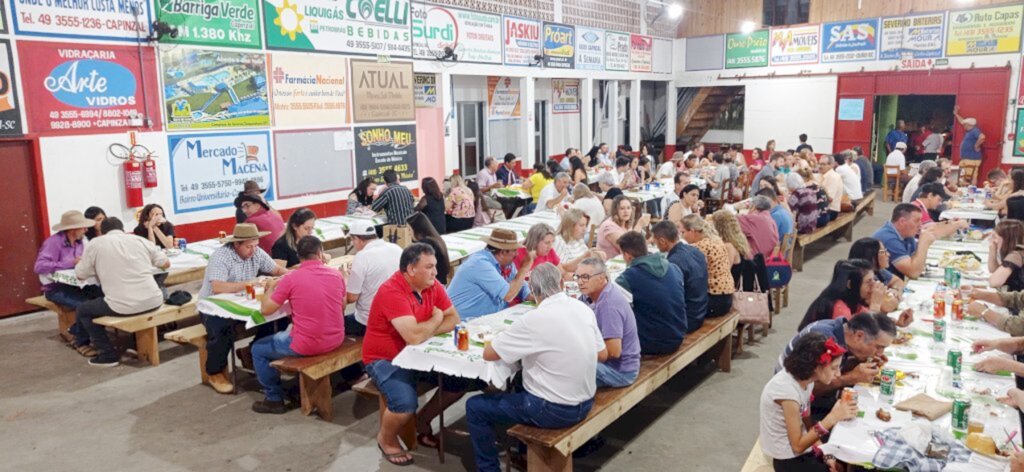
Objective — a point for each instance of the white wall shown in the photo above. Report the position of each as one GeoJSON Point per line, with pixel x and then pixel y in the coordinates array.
{"type": "Point", "coordinates": [563, 128]}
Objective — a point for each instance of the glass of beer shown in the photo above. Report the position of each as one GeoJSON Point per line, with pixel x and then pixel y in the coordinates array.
{"type": "Point", "coordinates": [975, 426]}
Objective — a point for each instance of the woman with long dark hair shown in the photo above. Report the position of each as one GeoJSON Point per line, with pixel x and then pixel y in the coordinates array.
{"type": "Point", "coordinates": [853, 289]}
{"type": "Point", "coordinates": [873, 251]}
{"type": "Point", "coordinates": [300, 224]}
{"type": "Point", "coordinates": [432, 204]}
{"type": "Point", "coordinates": [361, 197]}
{"type": "Point", "coordinates": [423, 232]}
{"type": "Point", "coordinates": [1006, 256]}
{"type": "Point", "coordinates": [577, 171]}
{"type": "Point", "coordinates": [94, 213]}
{"type": "Point", "coordinates": [156, 228]}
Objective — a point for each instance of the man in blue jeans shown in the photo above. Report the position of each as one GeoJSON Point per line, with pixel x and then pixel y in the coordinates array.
{"type": "Point", "coordinates": [559, 345]}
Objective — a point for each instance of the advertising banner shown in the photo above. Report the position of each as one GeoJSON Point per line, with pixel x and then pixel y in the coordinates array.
{"type": "Point", "coordinates": [912, 37]}
{"type": "Point", "coordinates": [206, 89]}
{"type": "Point", "coordinates": [616, 51]}
{"type": "Point", "coordinates": [3, 18]}
{"type": "Point", "coordinates": [382, 91]}
{"type": "Point", "coordinates": [565, 96]}
{"type": "Point", "coordinates": [1018, 138]}
{"type": "Point", "coordinates": [847, 41]}
{"type": "Point", "coordinates": [425, 90]}
{"type": "Point", "coordinates": [472, 36]}
{"type": "Point", "coordinates": [559, 46]}
{"type": "Point", "coordinates": [379, 148]}
{"type": "Point", "coordinates": [984, 31]}
{"type": "Point", "coordinates": [10, 110]}
{"type": "Point", "coordinates": [522, 41]}
{"type": "Point", "coordinates": [502, 98]}
{"type": "Point", "coordinates": [232, 23]}
{"type": "Point", "coordinates": [746, 50]}
{"type": "Point", "coordinates": [798, 45]}
{"type": "Point", "coordinates": [123, 20]}
{"type": "Point", "coordinates": [589, 48]}
{"type": "Point", "coordinates": [86, 88]}
{"type": "Point", "coordinates": [307, 89]}
{"type": "Point", "coordinates": [641, 52]}
{"type": "Point", "coordinates": [207, 170]}
{"type": "Point", "coordinates": [368, 27]}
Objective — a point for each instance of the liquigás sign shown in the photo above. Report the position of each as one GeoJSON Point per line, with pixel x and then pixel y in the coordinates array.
{"type": "Point", "coordinates": [214, 89]}
{"type": "Point", "coordinates": [370, 27]}
{"type": "Point", "coordinates": [234, 23]}
{"type": "Point", "coordinates": [847, 41]}
{"type": "Point", "coordinates": [382, 92]}
{"type": "Point", "coordinates": [379, 148]}
{"type": "Point", "coordinates": [208, 169]}
{"type": "Point", "coordinates": [984, 31]}
{"type": "Point", "coordinates": [522, 41]}
{"type": "Point", "coordinates": [115, 20]}
{"type": "Point", "coordinates": [76, 89]}
{"type": "Point", "coordinates": [746, 50]}
{"type": "Point", "coordinates": [472, 36]}
{"type": "Point", "coordinates": [559, 46]}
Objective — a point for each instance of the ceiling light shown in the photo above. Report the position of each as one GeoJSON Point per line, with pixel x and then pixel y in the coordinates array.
{"type": "Point", "coordinates": [747, 27]}
{"type": "Point", "coordinates": [675, 10]}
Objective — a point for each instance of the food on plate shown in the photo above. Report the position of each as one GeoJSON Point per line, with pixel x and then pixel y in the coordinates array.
{"type": "Point", "coordinates": [981, 391]}
{"type": "Point", "coordinates": [883, 415]}
{"type": "Point", "coordinates": [902, 337]}
{"type": "Point", "coordinates": [976, 235]}
{"type": "Point", "coordinates": [963, 262]}
{"type": "Point", "coordinates": [981, 443]}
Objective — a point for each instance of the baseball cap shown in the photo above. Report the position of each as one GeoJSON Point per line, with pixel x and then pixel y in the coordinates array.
{"type": "Point", "coordinates": [362, 229]}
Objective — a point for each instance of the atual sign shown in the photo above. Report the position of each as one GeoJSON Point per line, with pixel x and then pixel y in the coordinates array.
{"type": "Point", "coordinates": [123, 20]}
{"type": "Point", "coordinates": [912, 37]}
{"type": "Point", "coordinates": [87, 88]}
{"type": "Point", "coordinates": [797, 45]}
{"type": "Point", "coordinates": [233, 23]}
{"type": "Point", "coordinates": [589, 48]}
{"type": "Point", "coordinates": [616, 51]}
{"type": "Point", "coordinates": [10, 109]}
{"type": "Point", "coordinates": [369, 27]}
{"type": "Point", "coordinates": [984, 31]}
{"type": "Point", "coordinates": [847, 41]}
{"type": "Point", "coordinates": [641, 52]}
{"type": "Point", "coordinates": [522, 41]}
{"type": "Point", "coordinates": [307, 89]}
{"type": "Point", "coordinates": [379, 148]}
{"type": "Point", "coordinates": [471, 36]}
{"type": "Point", "coordinates": [746, 50]}
{"type": "Point", "coordinates": [565, 96]}
{"type": "Point", "coordinates": [382, 92]}
{"type": "Point", "coordinates": [208, 169]}
{"type": "Point", "coordinates": [559, 46]}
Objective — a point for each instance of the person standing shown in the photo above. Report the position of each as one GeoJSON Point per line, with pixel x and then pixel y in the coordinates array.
{"type": "Point", "coordinates": [375, 261]}
{"type": "Point", "coordinates": [867, 171]}
{"type": "Point", "coordinates": [931, 144]}
{"type": "Point", "coordinates": [970, 147]}
{"type": "Point", "coordinates": [803, 144]}
{"type": "Point", "coordinates": [896, 135]}
{"type": "Point", "coordinates": [395, 200]}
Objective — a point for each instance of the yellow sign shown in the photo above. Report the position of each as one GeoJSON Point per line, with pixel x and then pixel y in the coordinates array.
{"type": "Point", "coordinates": [984, 31]}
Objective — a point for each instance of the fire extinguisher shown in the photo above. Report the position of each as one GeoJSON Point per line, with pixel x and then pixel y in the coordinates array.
{"type": "Point", "coordinates": [132, 182]}
{"type": "Point", "coordinates": [149, 172]}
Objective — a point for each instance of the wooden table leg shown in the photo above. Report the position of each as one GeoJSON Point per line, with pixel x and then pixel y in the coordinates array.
{"type": "Point", "coordinates": [543, 460]}
{"type": "Point", "coordinates": [315, 394]}
{"type": "Point", "coordinates": [146, 346]}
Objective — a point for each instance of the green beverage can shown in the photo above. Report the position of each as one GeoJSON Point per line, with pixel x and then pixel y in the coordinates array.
{"type": "Point", "coordinates": [887, 386]}
{"type": "Point", "coordinates": [948, 276]}
{"type": "Point", "coordinates": [954, 280]}
{"type": "Point", "coordinates": [961, 416]}
{"type": "Point", "coordinates": [955, 359]}
{"type": "Point", "coordinates": [939, 330]}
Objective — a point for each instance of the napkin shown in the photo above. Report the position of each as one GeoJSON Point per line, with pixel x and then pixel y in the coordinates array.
{"type": "Point", "coordinates": [926, 406]}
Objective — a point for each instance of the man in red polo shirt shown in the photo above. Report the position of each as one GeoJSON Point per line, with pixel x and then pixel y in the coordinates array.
{"type": "Point", "coordinates": [409, 308]}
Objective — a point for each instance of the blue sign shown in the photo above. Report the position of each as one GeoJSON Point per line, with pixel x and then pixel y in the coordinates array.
{"type": "Point", "coordinates": [851, 109]}
{"type": "Point", "coordinates": [847, 41]}
{"type": "Point", "coordinates": [559, 42]}
{"type": "Point", "coordinates": [91, 83]}
{"type": "Point", "coordinates": [208, 170]}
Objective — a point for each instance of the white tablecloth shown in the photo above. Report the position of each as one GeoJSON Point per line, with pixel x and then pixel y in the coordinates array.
{"type": "Point", "coordinates": [236, 307]}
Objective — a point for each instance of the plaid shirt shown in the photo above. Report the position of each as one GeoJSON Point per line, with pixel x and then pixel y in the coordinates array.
{"type": "Point", "coordinates": [225, 266]}
{"type": "Point", "coordinates": [895, 453]}
{"type": "Point", "coordinates": [396, 201]}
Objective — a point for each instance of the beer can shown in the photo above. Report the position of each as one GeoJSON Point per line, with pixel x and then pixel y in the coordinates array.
{"type": "Point", "coordinates": [961, 416]}
{"type": "Point", "coordinates": [940, 308]}
{"type": "Point", "coordinates": [957, 311]}
{"type": "Point", "coordinates": [939, 330]}
{"type": "Point", "coordinates": [463, 339]}
{"type": "Point", "coordinates": [849, 395]}
{"type": "Point", "coordinates": [887, 386]}
{"type": "Point", "coordinates": [182, 243]}
{"type": "Point", "coordinates": [955, 359]}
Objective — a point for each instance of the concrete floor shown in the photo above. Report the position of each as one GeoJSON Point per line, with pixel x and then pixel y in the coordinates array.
{"type": "Point", "coordinates": [58, 413]}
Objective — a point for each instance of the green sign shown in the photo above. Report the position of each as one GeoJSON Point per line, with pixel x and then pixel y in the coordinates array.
{"type": "Point", "coordinates": [746, 50]}
{"type": "Point", "coordinates": [1018, 139]}
{"type": "Point", "coordinates": [234, 23]}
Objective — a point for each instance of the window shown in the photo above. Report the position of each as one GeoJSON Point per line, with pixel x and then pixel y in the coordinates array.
{"type": "Point", "coordinates": [786, 12]}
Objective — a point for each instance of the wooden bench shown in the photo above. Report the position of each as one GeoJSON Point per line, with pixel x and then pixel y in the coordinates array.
{"type": "Point", "coordinates": [841, 227]}
{"type": "Point", "coordinates": [144, 327]}
{"type": "Point", "coordinates": [65, 316]}
{"type": "Point", "coordinates": [194, 335]}
{"type": "Point", "coordinates": [551, 449]}
{"type": "Point", "coordinates": [757, 461]}
{"type": "Point", "coordinates": [315, 389]}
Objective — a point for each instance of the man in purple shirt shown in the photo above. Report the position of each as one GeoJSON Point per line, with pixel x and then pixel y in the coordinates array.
{"type": "Point", "coordinates": [487, 178]}
{"type": "Point", "coordinates": [61, 251]}
{"type": "Point", "coordinates": [615, 320]}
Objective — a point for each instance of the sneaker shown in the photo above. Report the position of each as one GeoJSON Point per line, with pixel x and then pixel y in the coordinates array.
{"type": "Point", "coordinates": [221, 383]}
{"type": "Point", "coordinates": [99, 361]}
{"type": "Point", "coordinates": [267, 406]}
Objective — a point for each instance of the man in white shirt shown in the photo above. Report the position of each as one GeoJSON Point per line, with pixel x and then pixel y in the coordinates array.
{"type": "Point", "coordinates": [569, 154]}
{"type": "Point", "coordinates": [124, 265]}
{"type": "Point", "coordinates": [851, 178]}
{"type": "Point", "coordinates": [603, 157]}
{"type": "Point", "coordinates": [896, 157]}
{"type": "Point", "coordinates": [559, 345]}
{"type": "Point", "coordinates": [832, 183]}
{"type": "Point", "coordinates": [554, 193]}
{"type": "Point", "coordinates": [668, 169]}
{"type": "Point", "coordinates": [376, 260]}
{"type": "Point", "coordinates": [911, 188]}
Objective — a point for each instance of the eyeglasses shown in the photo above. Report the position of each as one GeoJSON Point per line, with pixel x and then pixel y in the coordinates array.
{"type": "Point", "coordinates": [585, 277]}
{"type": "Point", "coordinates": [883, 251]}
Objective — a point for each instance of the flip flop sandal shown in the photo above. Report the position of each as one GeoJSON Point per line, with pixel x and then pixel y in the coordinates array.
{"type": "Point", "coordinates": [87, 351]}
{"type": "Point", "coordinates": [423, 438]}
{"type": "Point", "coordinates": [391, 458]}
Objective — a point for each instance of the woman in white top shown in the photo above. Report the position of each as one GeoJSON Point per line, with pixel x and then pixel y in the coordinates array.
{"type": "Point", "coordinates": [689, 203]}
{"type": "Point", "coordinates": [570, 241]}
{"type": "Point", "coordinates": [785, 402]}
{"type": "Point", "coordinates": [585, 200]}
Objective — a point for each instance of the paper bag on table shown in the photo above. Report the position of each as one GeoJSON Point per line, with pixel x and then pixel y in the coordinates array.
{"type": "Point", "coordinates": [400, 235]}
{"type": "Point", "coordinates": [923, 405]}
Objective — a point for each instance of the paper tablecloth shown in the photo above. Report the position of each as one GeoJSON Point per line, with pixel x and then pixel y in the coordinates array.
{"type": "Point", "coordinates": [236, 307]}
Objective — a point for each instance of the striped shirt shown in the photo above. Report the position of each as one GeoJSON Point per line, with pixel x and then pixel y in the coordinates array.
{"type": "Point", "coordinates": [225, 266]}
{"type": "Point", "coordinates": [396, 201]}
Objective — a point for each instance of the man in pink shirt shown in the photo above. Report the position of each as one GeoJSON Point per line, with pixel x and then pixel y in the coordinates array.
{"type": "Point", "coordinates": [258, 213]}
{"type": "Point", "coordinates": [316, 293]}
{"type": "Point", "coordinates": [758, 226]}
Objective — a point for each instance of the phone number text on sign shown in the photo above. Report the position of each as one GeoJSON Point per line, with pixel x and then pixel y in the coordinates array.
{"type": "Point", "coordinates": [86, 119]}
{"type": "Point", "coordinates": [103, 19]}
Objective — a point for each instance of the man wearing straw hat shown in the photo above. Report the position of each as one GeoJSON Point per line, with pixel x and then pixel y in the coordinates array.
{"type": "Point", "coordinates": [238, 262]}
{"type": "Point", "coordinates": [62, 251]}
{"type": "Point", "coordinates": [488, 280]}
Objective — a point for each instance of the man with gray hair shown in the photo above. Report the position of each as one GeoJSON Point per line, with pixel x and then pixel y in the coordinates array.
{"type": "Point", "coordinates": [554, 193]}
{"type": "Point", "coordinates": [487, 180]}
{"type": "Point", "coordinates": [759, 227]}
{"type": "Point", "coordinates": [970, 147]}
{"type": "Point", "coordinates": [559, 345]}
{"type": "Point", "coordinates": [850, 175]}
{"type": "Point", "coordinates": [615, 320]}
{"type": "Point", "coordinates": [832, 184]}
{"type": "Point", "coordinates": [915, 182]}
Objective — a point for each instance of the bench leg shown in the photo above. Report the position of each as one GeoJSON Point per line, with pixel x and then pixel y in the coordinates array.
{"type": "Point", "coordinates": [146, 346]}
{"type": "Point", "coordinates": [65, 318]}
{"type": "Point", "coordinates": [315, 394]}
{"type": "Point", "coordinates": [542, 460]}
{"type": "Point", "coordinates": [725, 354]}
{"type": "Point", "coordinates": [798, 258]}
{"type": "Point", "coordinates": [203, 377]}
{"type": "Point", "coordinates": [408, 432]}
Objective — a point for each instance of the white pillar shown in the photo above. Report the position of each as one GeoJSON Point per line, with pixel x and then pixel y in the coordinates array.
{"type": "Point", "coordinates": [451, 124]}
{"type": "Point", "coordinates": [526, 93]}
{"type": "Point", "coordinates": [613, 114]}
{"type": "Point", "coordinates": [670, 114]}
{"type": "Point", "coordinates": [586, 114]}
{"type": "Point", "coordinates": [634, 114]}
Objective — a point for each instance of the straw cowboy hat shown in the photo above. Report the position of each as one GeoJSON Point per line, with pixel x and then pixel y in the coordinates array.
{"type": "Point", "coordinates": [502, 239]}
{"type": "Point", "coordinates": [73, 219]}
{"type": "Point", "coordinates": [244, 232]}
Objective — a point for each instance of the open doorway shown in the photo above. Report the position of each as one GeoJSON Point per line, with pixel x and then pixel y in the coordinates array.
{"type": "Point", "coordinates": [916, 111]}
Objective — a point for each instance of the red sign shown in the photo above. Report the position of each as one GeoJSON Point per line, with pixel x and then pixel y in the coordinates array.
{"type": "Point", "coordinates": [88, 88]}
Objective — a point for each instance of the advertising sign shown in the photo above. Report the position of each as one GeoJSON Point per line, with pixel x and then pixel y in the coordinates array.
{"type": "Point", "coordinates": [589, 48]}
{"type": "Point", "coordinates": [851, 109]}
{"type": "Point", "coordinates": [522, 41]}
{"type": "Point", "coordinates": [798, 45]}
{"type": "Point", "coordinates": [912, 37]}
{"type": "Point", "coordinates": [502, 98]}
{"type": "Point", "coordinates": [846, 41]}
{"type": "Point", "coordinates": [206, 89]}
{"type": "Point", "coordinates": [369, 27]}
{"type": "Point", "coordinates": [565, 96]}
{"type": "Point", "coordinates": [382, 91]}
{"type": "Point", "coordinates": [984, 31]}
{"type": "Point", "coordinates": [308, 90]}
{"type": "Point", "coordinates": [616, 51]}
{"type": "Point", "coordinates": [746, 50]}
{"type": "Point", "coordinates": [233, 23]}
{"type": "Point", "coordinates": [3, 18]}
{"type": "Point", "coordinates": [86, 88]}
{"type": "Point", "coordinates": [10, 110]}
{"type": "Point", "coordinates": [208, 169]}
{"type": "Point", "coordinates": [425, 90]}
{"type": "Point", "coordinates": [379, 148]}
{"type": "Point", "coordinates": [123, 20]}
{"type": "Point", "coordinates": [559, 46]}
{"type": "Point", "coordinates": [641, 52]}
{"type": "Point", "coordinates": [472, 36]}
{"type": "Point", "coordinates": [1018, 139]}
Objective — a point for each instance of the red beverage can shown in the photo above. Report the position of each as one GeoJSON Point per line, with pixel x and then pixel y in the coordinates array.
{"type": "Point", "coordinates": [957, 310]}
{"type": "Point", "coordinates": [250, 291]}
{"type": "Point", "coordinates": [940, 308]}
{"type": "Point", "coordinates": [463, 339]}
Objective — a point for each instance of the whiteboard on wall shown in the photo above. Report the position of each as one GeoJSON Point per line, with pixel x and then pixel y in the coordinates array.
{"type": "Point", "coordinates": [313, 161]}
{"type": "Point", "coordinates": [662, 56]}
{"type": "Point", "coordinates": [705, 53]}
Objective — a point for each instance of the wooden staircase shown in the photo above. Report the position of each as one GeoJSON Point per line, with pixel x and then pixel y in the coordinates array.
{"type": "Point", "coordinates": [698, 109]}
